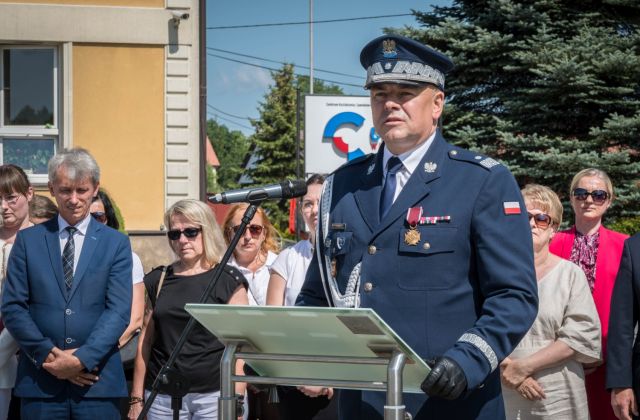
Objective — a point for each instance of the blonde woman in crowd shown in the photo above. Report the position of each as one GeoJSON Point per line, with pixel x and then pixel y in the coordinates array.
{"type": "Point", "coordinates": [597, 250]}
{"type": "Point", "coordinates": [544, 378]}
{"type": "Point", "coordinates": [196, 240]}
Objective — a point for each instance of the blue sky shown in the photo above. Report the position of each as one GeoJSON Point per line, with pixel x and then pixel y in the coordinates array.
{"type": "Point", "coordinates": [237, 89]}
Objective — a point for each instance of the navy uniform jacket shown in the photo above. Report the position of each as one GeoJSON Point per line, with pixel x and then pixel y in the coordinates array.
{"type": "Point", "coordinates": [40, 313]}
{"type": "Point", "coordinates": [467, 290]}
{"type": "Point", "coordinates": [623, 346]}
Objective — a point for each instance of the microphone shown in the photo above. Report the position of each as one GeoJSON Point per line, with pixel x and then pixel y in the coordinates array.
{"type": "Point", "coordinates": [285, 189]}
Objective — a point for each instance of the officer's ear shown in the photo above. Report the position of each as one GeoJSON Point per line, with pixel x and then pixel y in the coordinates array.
{"type": "Point", "coordinates": [438, 103]}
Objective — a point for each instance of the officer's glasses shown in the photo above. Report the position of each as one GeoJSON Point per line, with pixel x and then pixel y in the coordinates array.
{"type": "Point", "coordinates": [541, 220]}
{"type": "Point", "coordinates": [598, 196]}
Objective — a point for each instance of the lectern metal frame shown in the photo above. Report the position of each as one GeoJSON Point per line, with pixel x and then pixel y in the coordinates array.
{"type": "Point", "coordinates": [228, 401]}
{"type": "Point", "coordinates": [336, 347]}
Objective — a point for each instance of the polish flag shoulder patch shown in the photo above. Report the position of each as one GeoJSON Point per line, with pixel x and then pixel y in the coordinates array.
{"type": "Point", "coordinates": [511, 207]}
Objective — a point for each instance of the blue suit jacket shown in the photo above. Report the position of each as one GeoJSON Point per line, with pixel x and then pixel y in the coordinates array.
{"type": "Point", "coordinates": [466, 290]}
{"type": "Point", "coordinates": [623, 345]}
{"type": "Point", "coordinates": [41, 314]}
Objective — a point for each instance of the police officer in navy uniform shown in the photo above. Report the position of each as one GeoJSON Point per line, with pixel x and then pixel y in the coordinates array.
{"type": "Point", "coordinates": [434, 238]}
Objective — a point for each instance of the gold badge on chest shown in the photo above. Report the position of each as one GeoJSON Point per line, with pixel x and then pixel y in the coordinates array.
{"type": "Point", "coordinates": [412, 237]}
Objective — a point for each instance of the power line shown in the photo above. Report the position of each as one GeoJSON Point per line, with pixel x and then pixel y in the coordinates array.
{"type": "Point", "coordinates": [280, 62]}
{"type": "Point", "coordinates": [260, 25]}
{"type": "Point", "coordinates": [226, 113]}
{"type": "Point", "coordinates": [273, 69]}
{"type": "Point", "coordinates": [232, 122]}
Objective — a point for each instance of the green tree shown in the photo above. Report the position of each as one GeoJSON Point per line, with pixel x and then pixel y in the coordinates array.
{"type": "Point", "coordinates": [231, 148]}
{"type": "Point", "coordinates": [547, 87]}
{"type": "Point", "coordinates": [275, 137]}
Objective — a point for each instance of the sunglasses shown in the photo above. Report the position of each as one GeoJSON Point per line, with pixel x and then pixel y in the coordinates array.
{"type": "Point", "coordinates": [542, 220]}
{"type": "Point", "coordinates": [254, 230]}
{"type": "Point", "coordinates": [191, 232]}
{"type": "Point", "coordinates": [100, 216]}
{"type": "Point", "coordinates": [598, 196]}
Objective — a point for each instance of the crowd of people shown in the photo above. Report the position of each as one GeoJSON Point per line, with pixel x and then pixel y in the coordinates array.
{"type": "Point", "coordinates": [540, 322]}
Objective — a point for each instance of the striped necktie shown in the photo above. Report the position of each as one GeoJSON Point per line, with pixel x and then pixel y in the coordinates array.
{"type": "Point", "coordinates": [68, 255]}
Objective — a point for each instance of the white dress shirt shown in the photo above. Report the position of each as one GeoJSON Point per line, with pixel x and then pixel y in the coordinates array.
{"type": "Point", "coordinates": [410, 161]}
{"type": "Point", "coordinates": [78, 237]}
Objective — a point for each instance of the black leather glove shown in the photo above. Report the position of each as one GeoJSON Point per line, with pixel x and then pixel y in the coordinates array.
{"type": "Point", "coordinates": [446, 380]}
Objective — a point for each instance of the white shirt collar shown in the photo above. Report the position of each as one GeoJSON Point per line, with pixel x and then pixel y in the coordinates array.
{"type": "Point", "coordinates": [82, 226]}
{"type": "Point", "coordinates": [411, 159]}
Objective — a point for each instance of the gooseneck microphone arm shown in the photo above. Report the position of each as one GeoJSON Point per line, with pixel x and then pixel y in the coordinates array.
{"type": "Point", "coordinates": [283, 190]}
{"type": "Point", "coordinates": [168, 378]}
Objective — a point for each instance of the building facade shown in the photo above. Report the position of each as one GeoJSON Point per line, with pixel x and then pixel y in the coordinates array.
{"type": "Point", "coordinates": [117, 77]}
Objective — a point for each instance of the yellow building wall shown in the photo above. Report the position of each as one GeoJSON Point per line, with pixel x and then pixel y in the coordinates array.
{"type": "Point", "coordinates": [118, 115]}
{"type": "Point", "coordinates": [128, 3]}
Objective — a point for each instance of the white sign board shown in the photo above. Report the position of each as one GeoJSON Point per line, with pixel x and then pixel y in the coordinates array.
{"type": "Point", "coordinates": [337, 129]}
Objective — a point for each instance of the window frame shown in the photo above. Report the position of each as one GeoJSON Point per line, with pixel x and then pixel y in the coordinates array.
{"type": "Point", "coordinates": [34, 132]}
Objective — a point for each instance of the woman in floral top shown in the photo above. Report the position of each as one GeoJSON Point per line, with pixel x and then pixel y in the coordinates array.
{"type": "Point", "coordinates": [597, 250]}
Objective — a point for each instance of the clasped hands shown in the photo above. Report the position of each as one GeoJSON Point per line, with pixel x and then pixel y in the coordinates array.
{"type": "Point", "coordinates": [515, 374]}
{"type": "Point", "coordinates": [65, 366]}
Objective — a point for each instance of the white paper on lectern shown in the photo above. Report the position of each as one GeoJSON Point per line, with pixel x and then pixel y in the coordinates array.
{"type": "Point", "coordinates": [312, 331]}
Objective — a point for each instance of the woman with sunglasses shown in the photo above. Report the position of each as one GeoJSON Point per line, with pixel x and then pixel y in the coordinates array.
{"type": "Point", "coordinates": [543, 378]}
{"type": "Point", "coordinates": [15, 194]}
{"type": "Point", "coordinates": [195, 238]}
{"type": "Point", "coordinates": [253, 256]}
{"type": "Point", "coordinates": [597, 250]}
{"type": "Point", "coordinates": [103, 210]}
{"type": "Point", "coordinates": [255, 252]}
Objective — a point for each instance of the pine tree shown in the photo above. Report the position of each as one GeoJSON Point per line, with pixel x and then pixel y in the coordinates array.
{"type": "Point", "coordinates": [275, 141]}
{"type": "Point", "coordinates": [548, 87]}
{"type": "Point", "coordinates": [275, 138]}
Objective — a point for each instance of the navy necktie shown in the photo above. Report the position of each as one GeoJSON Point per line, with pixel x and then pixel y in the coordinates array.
{"type": "Point", "coordinates": [389, 190]}
{"type": "Point", "coordinates": [68, 255]}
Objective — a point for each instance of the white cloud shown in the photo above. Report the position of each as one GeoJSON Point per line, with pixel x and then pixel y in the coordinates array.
{"type": "Point", "coordinates": [241, 79]}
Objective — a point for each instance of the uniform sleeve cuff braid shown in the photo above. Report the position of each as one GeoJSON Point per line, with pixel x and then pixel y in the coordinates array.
{"type": "Point", "coordinates": [483, 346]}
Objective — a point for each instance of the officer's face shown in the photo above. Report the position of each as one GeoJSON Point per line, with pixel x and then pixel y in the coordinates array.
{"type": "Point", "coordinates": [405, 115]}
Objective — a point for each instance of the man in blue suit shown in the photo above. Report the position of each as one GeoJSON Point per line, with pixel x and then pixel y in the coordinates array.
{"type": "Point", "coordinates": [434, 238]}
{"type": "Point", "coordinates": [67, 300]}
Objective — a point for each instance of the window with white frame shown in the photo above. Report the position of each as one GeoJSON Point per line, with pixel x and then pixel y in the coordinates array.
{"type": "Point", "coordinates": [29, 111]}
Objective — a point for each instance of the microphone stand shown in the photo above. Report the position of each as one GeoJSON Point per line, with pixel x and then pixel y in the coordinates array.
{"type": "Point", "coordinates": [170, 380]}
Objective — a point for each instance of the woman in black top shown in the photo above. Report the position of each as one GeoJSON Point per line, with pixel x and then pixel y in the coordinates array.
{"type": "Point", "coordinates": [197, 241]}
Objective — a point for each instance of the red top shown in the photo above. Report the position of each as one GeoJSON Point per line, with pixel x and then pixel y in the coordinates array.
{"type": "Point", "coordinates": [607, 263]}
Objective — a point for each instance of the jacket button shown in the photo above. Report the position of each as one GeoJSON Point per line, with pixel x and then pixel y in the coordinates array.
{"type": "Point", "coordinates": [67, 311]}
{"type": "Point", "coordinates": [372, 249]}
{"type": "Point", "coordinates": [426, 245]}
{"type": "Point", "coordinates": [368, 287]}
{"type": "Point", "coordinates": [68, 340]}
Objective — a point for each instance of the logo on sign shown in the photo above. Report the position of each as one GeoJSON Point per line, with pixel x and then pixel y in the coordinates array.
{"type": "Point", "coordinates": [345, 119]}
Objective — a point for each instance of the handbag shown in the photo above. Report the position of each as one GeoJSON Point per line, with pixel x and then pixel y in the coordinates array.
{"type": "Point", "coordinates": [130, 348]}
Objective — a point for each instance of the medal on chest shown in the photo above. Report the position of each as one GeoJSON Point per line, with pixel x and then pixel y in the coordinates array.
{"type": "Point", "coordinates": [412, 235]}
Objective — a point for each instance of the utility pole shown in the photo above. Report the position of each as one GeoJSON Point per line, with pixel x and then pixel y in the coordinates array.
{"type": "Point", "coordinates": [311, 47]}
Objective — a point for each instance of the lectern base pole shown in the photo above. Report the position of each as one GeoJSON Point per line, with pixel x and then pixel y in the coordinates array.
{"type": "Point", "coordinates": [228, 402]}
{"type": "Point", "coordinates": [394, 409]}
